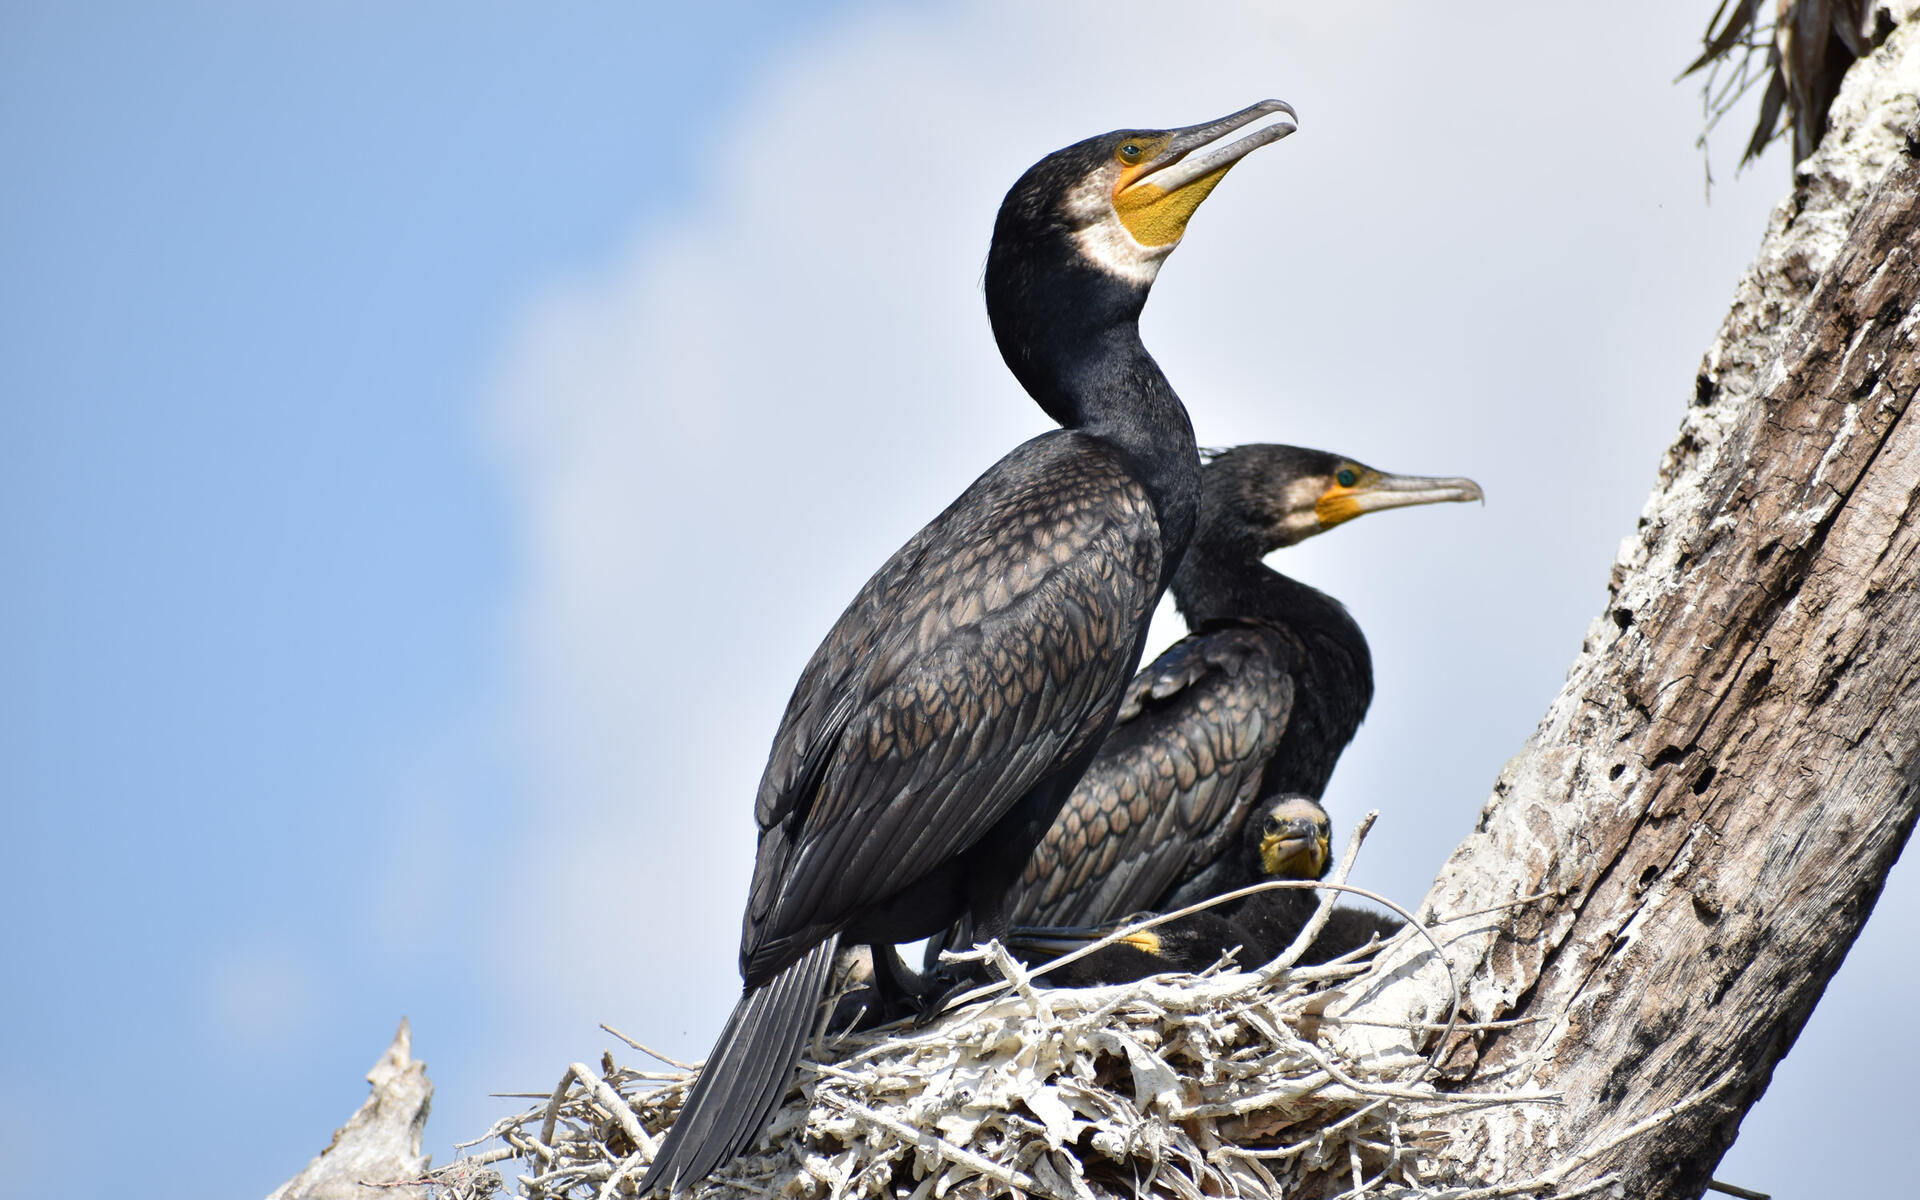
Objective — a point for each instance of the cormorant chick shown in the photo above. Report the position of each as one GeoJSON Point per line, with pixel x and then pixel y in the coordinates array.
{"type": "Point", "coordinates": [1288, 837]}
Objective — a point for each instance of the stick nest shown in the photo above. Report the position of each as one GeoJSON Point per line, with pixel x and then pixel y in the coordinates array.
{"type": "Point", "coordinates": [1218, 1084]}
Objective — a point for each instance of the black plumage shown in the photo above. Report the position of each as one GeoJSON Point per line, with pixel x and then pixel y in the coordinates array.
{"type": "Point", "coordinates": [1258, 701]}
{"type": "Point", "coordinates": [1186, 945]}
{"type": "Point", "coordinates": [940, 725]}
{"type": "Point", "coordinates": [1286, 837]}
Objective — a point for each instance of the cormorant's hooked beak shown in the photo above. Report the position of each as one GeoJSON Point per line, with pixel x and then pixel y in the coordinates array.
{"type": "Point", "coordinates": [1378, 490]}
{"type": "Point", "coordinates": [1172, 168]}
{"type": "Point", "coordinates": [1157, 196]}
{"type": "Point", "coordinates": [1299, 849]}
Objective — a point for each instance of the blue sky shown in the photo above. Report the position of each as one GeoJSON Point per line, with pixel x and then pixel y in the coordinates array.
{"type": "Point", "coordinates": [259, 262]}
{"type": "Point", "coordinates": [436, 436]}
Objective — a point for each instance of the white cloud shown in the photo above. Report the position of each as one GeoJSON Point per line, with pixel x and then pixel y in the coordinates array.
{"type": "Point", "coordinates": [1485, 252]}
{"type": "Point", "coordinates": [260, 999]}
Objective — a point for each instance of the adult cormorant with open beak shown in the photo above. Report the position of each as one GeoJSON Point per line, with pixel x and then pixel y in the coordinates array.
{"type": "Point", "coordinates": [953, 706]}
{"type": "Point", "coordinates": [1258, 701]}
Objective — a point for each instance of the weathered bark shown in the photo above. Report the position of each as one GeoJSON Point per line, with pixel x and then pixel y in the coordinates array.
{"type": "Point", "coordinates": [1713, 801]}
{"type": "Point", "coordinates": [379, 1146]}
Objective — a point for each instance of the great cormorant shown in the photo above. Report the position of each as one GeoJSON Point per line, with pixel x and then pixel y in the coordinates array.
{"type": "Point", "coordinates": [1258, 701]}
{"type": "Point", "coordinates": [1286, 837]}
{"type": "Point", "coordinates": [946, 716]}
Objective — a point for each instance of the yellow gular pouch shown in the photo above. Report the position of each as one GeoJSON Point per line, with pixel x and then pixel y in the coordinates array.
{"type": "Point", "coordinates": [1157, 217]}
{"type": "Point", "coordinates": [1337, 504]}
{"type": "Point", "coordinates": [1292, 857]}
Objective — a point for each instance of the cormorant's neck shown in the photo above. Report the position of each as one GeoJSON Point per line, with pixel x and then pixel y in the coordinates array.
{"type": "Point", "coordinates": [1070, 333]}
{"type": "Point", "coordinates": [1223, 579]}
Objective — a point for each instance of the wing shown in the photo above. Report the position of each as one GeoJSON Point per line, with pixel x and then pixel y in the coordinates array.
{"type": "Point", "coordinates": [1171, 787]}
{"type": "Point", "coordinates": [990, 649]}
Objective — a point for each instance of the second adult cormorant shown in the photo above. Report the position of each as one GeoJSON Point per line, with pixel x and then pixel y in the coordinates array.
{"type": "Point", "coordinates": [939, 727]}
{"type": "Point", "coordinates": [1258, 701]}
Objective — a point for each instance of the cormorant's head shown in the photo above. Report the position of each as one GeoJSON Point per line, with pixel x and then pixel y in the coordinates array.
{"type": "Point", "coordinates": [1082, 234]}
{"type": "Point", "coordinates": [1120, 202]}
{"type": "Point", "coordinates": [1293, 836]}
{"type": "Point", "coordinates": [1275, 496]}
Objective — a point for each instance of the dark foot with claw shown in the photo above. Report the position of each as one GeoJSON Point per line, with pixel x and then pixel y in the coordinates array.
{"type": "Point", "coordinates": [941, 985]}
{"type": "Point", "coordinates": [859, 1010]}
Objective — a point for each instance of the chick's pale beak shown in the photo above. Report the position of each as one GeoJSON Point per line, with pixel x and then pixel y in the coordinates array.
{"type": "Point", "coordinates": [1066, 939]}
{"type": "Point", "coordinates": [1297, 850]}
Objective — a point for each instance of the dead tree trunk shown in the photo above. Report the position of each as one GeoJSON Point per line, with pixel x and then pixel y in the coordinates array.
{"type": "Point", "coordinates": [1713, 801]}
{"type": "Point", "coordinates": [1658, 891]}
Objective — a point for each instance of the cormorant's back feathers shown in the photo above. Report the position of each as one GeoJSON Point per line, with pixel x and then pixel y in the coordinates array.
{"type": "Point", "coordinates": [974, 672]}
{"type": "Point", "coordinates": [1171, 786]}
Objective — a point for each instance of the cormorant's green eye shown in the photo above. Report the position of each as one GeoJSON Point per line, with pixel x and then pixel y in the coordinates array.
{"type": "Point", "coordinates": [1347, 477]}
{"type": "Point", "coordinates": [1130, 153]}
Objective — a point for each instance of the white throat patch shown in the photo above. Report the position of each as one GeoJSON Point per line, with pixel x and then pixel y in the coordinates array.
{"type": "Point", "coordinates": [1104, 239]}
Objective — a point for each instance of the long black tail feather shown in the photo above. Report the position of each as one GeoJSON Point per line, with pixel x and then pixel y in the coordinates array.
{"type": "Point", "coordinates": [747, 1074]}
